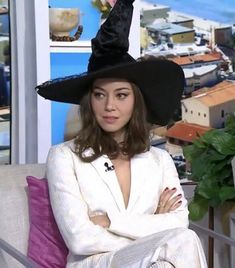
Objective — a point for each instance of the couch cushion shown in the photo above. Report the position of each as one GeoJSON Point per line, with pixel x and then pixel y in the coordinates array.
{"type": "Point", "coordinates": [46, 246]}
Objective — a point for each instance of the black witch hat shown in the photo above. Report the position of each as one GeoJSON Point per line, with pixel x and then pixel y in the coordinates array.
{"type": "Point", "coordinates": [161, 82]}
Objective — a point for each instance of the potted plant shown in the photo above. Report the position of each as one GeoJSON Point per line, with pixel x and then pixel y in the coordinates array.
{"type": "Point", "coordinates": [210, 159]}
{"type": "Point", "coordinates": [103, 6]}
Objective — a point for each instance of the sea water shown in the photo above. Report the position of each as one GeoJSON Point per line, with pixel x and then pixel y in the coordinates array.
{"type": "Point", "coordinates": [222, 11]}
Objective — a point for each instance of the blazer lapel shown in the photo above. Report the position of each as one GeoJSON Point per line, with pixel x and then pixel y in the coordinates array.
{"type": "Point", "coordinates": [138, 177]}
{"type": "Point", "coordinates": [103, 166]}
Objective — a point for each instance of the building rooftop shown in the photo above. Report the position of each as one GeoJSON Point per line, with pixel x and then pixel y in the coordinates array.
{"type": "Point", "coordinates": [179, 50]}
{"type": "Point", "coordinates": [199, 71]}
{"type": "Point", "coordinates": [218, 94]}
{"type": "Point", "coordinates": [175, 17]}
{"type": "Point", "coordinates": [211, 57]}
{"type": "Point", "coordinates": [186, 132]}
{"type": "Point", "coordinates": [220, 85]}
{"type": "Point", "coordinates": [169, 28]}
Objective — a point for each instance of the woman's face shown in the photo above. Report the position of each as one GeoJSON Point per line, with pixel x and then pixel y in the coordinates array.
{"type": "Point", "coordinates": [112, 101]}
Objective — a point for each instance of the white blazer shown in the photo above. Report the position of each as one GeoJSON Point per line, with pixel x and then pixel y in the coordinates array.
{"type": "Point", "coordinates": [79, 189]}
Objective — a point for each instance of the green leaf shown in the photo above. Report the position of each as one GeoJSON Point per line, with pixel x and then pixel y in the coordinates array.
{"type": "Point", "coordinates": [221, 171]}
{"type": "Point", "coordinates": [190, 152]}
{"type": "Point", "coordinates": [230, 124]}
{"type": "Point", "coordinates": [224, 175]}
{"type": "Point", "coordinates": [207, 137]}
{"type": "Point", "coordinates": [199, 144]}
{"type": "Point", "coordinates": [226, 192]}
{"type": "Point", "coordinates": [216, 156]}
{"type": "Point", "coordinates": [209, 189]}
{"type": "Point", "coordinates": [198, 207]}
{"type": "Point", "coordinates": [224, 143]}
{"type": "Point", "coordinates": [214, 202]}
{"type": "Point", "coordinates": [200, 166]}
{"type": "Point", "coordinates": [220, 165]}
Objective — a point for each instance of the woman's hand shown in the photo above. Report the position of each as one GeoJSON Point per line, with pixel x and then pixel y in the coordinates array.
{"type": "Point", "coordinates": [167, 202]}
{"type": "Point", "coordinates": [101, 220]}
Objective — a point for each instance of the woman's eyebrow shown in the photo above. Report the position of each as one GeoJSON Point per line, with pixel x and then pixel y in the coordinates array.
{"type": "Point", "coordinates": [116, 89]}
{"type": "Point", "coordinates": [122, 88]}
{"type": "Point", "coordinates": [97, 87]}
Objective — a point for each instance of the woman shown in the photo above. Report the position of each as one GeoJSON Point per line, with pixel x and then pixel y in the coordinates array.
{"type": "Point", "coordinates": [117, 200]}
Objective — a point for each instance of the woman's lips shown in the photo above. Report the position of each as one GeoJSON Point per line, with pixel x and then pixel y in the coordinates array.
{"type": "Point", "coordinates": [110, 119]}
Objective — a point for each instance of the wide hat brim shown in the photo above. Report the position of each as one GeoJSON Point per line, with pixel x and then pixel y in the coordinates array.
{"type": "Point", "coordinates": [161, 83]}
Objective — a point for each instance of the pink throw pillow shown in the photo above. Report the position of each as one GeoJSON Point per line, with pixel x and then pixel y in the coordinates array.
{"type": "Point", "coordinates": [46, 245]}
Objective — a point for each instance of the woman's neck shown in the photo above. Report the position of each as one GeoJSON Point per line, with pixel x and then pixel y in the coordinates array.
{"type": "Point", "coordinates": [119, 136]}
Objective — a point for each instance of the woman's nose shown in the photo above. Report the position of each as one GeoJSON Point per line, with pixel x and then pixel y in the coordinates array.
{"type": "Point", "coordinates": [110, 105]}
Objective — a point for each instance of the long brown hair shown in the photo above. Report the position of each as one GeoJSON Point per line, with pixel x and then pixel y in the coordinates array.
{"type": "Point", "coordinates": [93, 136]}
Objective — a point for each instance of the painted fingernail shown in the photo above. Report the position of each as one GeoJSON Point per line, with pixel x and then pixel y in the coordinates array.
{"type": "Point", "coordinates": [179, 202]}
{"type": "Point", "coordinates": [166, 189]}
{"type": "Point", "coordinates": [179, 195]}
{"type": "Point", "coordinates": [173, 189]}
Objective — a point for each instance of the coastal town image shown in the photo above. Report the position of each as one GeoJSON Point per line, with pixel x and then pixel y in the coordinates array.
{"type": "Point", "coordinates": [205, 49]}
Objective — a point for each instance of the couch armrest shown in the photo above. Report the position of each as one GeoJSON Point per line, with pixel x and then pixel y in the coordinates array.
{"type": "Point", "coordinates": [16, 254]}
{"type": "Point", "coordinates": [211, 233]}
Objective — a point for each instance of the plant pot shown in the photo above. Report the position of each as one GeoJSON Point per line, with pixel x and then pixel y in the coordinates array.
{"type": "Point", "coordinates": [63, 20]}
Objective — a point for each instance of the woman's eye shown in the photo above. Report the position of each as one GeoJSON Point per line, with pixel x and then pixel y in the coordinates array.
{"type": "Point", "coordinates": [122, 95]}
{"type": "Point", "coordinates": [98, 95]}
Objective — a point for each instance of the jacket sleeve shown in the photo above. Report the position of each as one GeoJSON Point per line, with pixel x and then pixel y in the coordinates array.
{"type": "Point", "coordinates": [134, 225]}
{"type": "Point", "coordinates": [81, 236]}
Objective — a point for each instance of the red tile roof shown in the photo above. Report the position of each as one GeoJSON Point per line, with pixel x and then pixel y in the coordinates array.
{"type": "Point", "coordinates": [186, 131]}
{"type": "Point", "coordinates": [214, 56]}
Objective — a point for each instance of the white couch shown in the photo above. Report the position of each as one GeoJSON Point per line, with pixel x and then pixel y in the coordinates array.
{"type": "Point", "coordinates": [14, 217]}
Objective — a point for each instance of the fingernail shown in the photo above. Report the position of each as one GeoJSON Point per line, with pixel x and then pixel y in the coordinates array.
{"type": "Point", "coordinates": [166, 189]}
{"type": "Point", "coordinates": [179, 195]}
{"type": "Point", "coordinates": [179, 202]}
{"type": "Point", "coordinates": [173, 189]}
